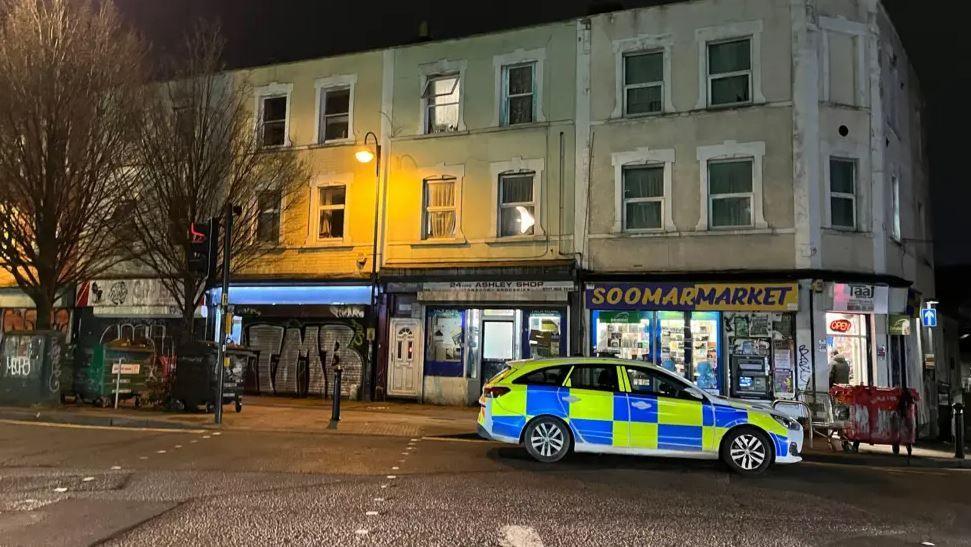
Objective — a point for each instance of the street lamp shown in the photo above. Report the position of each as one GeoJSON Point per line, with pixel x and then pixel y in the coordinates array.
{"type": "Point", "coordinates": [365, 155]}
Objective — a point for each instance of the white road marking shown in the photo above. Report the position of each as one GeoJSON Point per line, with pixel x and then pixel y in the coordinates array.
{"type": "Point", "coordinates": [193, 441]}
{"type": "Point", "coordinates": [143, 457]}
{"type": "Point", "coordinates": [60, 489]}
{"type": "Point", "coordinates": [519, 536]}
{"type": "Point", "coordinates": [87, 479]}
{"type": "Point", "coordinates": [404, 453]}
{"type": "Point", "coordinates": [450, 440]}
{"type": "Point", "coordinates": [371, 513]}
{"type": "Point", "coordinates": [929, 544]}
{"type": "Point", "coordinates": [160, 452]}
{"type": "Point", "coordinates": [216, 434]}
{"type": "Point", "coordinates": [378, 499]}
{"type": "Point", "coordinates": [395, 468]}
{"type": "Point", "coordinates": [384, 486]}
{"type": "Point", "coordinates": [205, 436]}
{"type": "Point", "coordinates": [105, 427]}
{"type": "Point", "coordinates": [115, 467]}
{"type": "Point", "coordinates": [361, 532]}
{"type": "Point", "coordinates": [178, 446]}
{"type": "Point", "coordinates": [392, 477]}
{"type": "Point", "coordinates": [414, 440]}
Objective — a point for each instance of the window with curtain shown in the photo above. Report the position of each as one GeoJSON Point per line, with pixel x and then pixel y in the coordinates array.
{"type": "Point", "coordinates": [274, 121]}
{"type": "Point", "coordinates": [842, 193]}
{"type": "Point", "coordinates": [517, 93]}
{"type": "Point", "coordinates": [643, 83]}
{"type": "Point", "coordinates": [268, 219]}
{"type": "Point", "coordinates": [517, 205]}
{"type": "Point", "coordinates": [331, 200]}
{"type": "Point", "coordinates": [730, 193]}
{"type": "Point", "coordinates": [730, 72]}
{"type": "Point", "coordinates": [442, 96]}
{"type": "Point", "coordinates": [335, 107]}
{"type": "Point", "coordinates": [440, 208]}
{"type": "Point", "coordinates": [643, 197]}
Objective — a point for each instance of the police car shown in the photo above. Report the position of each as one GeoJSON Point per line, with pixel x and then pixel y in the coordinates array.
{"type": "Point", "coordinates": [615, 406]}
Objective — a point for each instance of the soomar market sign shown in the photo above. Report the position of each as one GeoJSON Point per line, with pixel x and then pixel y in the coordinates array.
{"type": "Point", "coordinates": [693, 296]}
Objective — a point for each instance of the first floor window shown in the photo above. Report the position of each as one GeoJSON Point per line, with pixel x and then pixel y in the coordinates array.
{"type": "Point", "coordinates": [643, 83]}
{"type": "Point", "coordinates": [517, 205]}
{"type": "Point", "coordinates": [842, 193]}
{"type": "Point", "coordinates": [273, 120]}
{"type": "Point", "coordinates": [730, 193]}
{"type": "Point", "coordinates": [440, 217]}
{"type": "Point", "coordinates": [643, 197]}
{"type": "Point", "coordinates": [518, 93]}
{"type": "Point", "coordinates": [335, 106]}
{"type": "Point", "coordinates": [442, 96]}
{"type": "Point", "coordinates": [730, 72]}
{"type": "Point", "coordinates": [268, 218]}
{"type": "Point", "coordinates": [330, 211]}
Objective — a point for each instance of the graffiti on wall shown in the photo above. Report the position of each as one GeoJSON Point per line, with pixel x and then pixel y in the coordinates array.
{"type": "Point", "coordinates": [26, 319]}
{"type": "Point", "coordinates": [299, 357]}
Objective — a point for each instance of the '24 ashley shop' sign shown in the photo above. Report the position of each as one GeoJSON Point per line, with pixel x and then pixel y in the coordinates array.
{"type": "Point", "coordinates": [693, 296]}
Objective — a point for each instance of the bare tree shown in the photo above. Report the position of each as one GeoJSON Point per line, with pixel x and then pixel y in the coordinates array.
{"type": "Point", "coordinates": [199, 151]}
{"type": "Point", "coordinates": [70, 81]}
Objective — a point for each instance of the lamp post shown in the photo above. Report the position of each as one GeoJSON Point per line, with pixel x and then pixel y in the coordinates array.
{"type": "Point", "coordinates": [365, 155]}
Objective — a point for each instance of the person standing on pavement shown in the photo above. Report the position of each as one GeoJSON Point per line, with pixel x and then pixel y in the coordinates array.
{"type": "Point", "coordinates": [839, 369]}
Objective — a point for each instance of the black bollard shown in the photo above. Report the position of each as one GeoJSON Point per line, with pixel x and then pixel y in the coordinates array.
{"type": "Point", "coordinates": [335, 415]}
{"type": "Point", "coordinates": [959, 431]}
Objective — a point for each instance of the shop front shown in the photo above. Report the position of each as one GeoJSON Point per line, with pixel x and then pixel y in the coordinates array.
{"type": "Point", "coordinates": [301, 334]}
{"type": "Point", "coordinates": [469, 330]}
{"type": "Point", "coordinates": [733, 339]}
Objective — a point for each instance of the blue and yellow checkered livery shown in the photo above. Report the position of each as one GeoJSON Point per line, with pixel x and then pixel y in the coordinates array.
{"type": "Point", "coordinates": [623, 421]}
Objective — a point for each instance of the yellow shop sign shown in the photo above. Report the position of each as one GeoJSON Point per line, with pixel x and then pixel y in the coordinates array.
{"type": "Point", "coordinates": [693, 296]}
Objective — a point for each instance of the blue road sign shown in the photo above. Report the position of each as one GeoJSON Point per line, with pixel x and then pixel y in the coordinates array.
{"type": "Point", "coordinates": [928, 317]}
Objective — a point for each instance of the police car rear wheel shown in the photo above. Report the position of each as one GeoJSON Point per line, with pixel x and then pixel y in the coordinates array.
{"type": "Point", "coordinates": [747, 451]}
{"type": "Point", "coordinates": [547, 440]}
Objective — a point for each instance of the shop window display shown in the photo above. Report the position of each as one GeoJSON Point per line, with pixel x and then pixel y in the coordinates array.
{"type": "Point", "coordinates": [627, 335]}
{"type": "Point", "coordinates": [544, 334]}
{"type": "Point", "coordinates": [704, 350]}
{"type": "Point", "coordinates": [445, 343]}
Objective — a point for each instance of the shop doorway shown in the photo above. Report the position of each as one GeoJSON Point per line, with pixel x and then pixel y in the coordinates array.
{"type": "Point", "coordinates": [898, 361]}
{"type": "Point", "coordinates": [847, 339]}
{"type": "Point", "coordinates": [498, 346]}
{"type": "Point", "coordinates": [405, 358]}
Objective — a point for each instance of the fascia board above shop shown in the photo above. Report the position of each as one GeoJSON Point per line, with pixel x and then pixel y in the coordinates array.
{"type": "Point", "coordinates": [269, 295]}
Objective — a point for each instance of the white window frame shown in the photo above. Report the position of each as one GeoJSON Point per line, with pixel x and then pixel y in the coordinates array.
{"type": "Point", "coordinates": [895, 232]}
{"type": "Point", "coordinates": [259, 216]}
{"type": "Point", "coordinates": [855, 196]}
{"type": "Point", "coordinates": [732, 150]}
{"type": "Point", "coordinates": [519, 57]}
{"type": "Point", "coordinates": [271, 91]}
{"type": "Point", "coordinates": [751, 30]}
{"type": "Point", "coordinates": [442, 170]}
{"type": "Point", "coordinates": [334, 83]}
{"type": "Point", "coordinates": [437, 69]}
{"type": "Point", "coordinates": [642, 157]}
{"type": "Point", "coordinates": [512, 167]}
{"type": "Point", "coordinates": [507, 96]}
{"type": "Point", "coordinates": [857, 31]}
{"type": "Point", "coordinates": [315, 207]}
{"type": "Point", "coordinates": [661, 43]}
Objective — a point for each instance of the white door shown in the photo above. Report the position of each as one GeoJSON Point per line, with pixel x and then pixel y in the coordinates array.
{"type": "Point", "coordinates": [405, 359]}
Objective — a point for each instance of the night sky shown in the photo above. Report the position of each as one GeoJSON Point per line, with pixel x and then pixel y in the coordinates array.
{"type": "Point", "coordinates": [267, 31]}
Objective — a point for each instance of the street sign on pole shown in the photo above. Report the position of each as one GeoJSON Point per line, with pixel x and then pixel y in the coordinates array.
{"type": "Point", "coordinates": [928, 317]}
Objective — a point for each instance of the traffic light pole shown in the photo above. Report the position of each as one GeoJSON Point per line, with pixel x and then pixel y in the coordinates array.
{"type": "Point", "coordinates": [225, 327]}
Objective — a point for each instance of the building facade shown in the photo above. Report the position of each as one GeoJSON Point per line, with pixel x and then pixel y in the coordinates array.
{"type": "Point", "coordinates": [735, 190]}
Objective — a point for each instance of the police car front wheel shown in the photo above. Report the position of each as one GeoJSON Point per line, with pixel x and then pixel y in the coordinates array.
{"type": "Point", "coordinates": [746, 451]}
{"type": "Point", "coordinates": [547, 439]}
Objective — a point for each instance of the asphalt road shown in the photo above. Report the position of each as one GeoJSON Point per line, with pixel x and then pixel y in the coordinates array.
{"type": "Point", "coordinates": [82, 486]}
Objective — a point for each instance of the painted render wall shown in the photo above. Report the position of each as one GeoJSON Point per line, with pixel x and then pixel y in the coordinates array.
{"type": "Point", "coordinates": [300, 255]}
{"type": "Point", "coordinates": [481, 148]}
{"type": "Point", "coordinates": [683, 127]}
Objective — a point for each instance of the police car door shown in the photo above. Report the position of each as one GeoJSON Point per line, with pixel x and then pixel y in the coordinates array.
{"type": "Point", "coordinates": [664, 414]}
{"type": "Point", "coordinates": [593, 388]}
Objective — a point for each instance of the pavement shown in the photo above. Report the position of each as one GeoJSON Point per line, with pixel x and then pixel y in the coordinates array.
{"type": "Point", "coordinates": [67, 484]}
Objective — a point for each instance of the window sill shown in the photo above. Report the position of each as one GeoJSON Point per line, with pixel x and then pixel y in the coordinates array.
{"type": "Point", "coordinates": [423, 136]}
{"type": "Point", "coordinates": [846, 231]}
{"type": "Point", "coordinates": [438, 242]}
{"type": "Point", "coordinates": [512, 240]}
{"type": "Point", "coordinates": [698, 233]}
{"type": "Point", "coordinates": [322, 244]}
{"type": "Point", "coordinates": [330, 144]}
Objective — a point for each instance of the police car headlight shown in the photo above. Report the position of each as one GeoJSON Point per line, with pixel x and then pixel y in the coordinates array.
{"type": "Point", "coordinates": [787, 423]}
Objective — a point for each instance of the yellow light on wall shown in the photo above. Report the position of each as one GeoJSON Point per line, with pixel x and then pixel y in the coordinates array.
{"type": "Point", "coordinates": [364, 156]}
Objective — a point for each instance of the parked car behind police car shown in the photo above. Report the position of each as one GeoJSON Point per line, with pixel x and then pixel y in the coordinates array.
{"type": "Point", "coordinates": [614, 406]}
